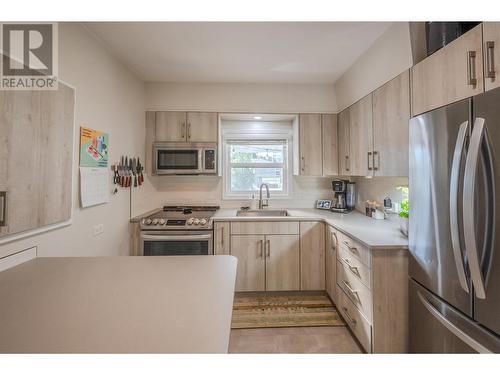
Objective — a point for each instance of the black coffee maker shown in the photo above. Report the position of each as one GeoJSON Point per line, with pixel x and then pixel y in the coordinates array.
{"type": "Point", "coordinates": [344, 195]}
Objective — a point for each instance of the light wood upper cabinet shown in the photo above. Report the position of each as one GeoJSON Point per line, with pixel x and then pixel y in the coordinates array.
{"type": "Point", "coordinates": [310, 147]}
{"type": "Point", "coordinates": [491, 48]}
{"type": "Point", "coordinates": [391, 114]}
{"type": "Point", "coordinates": [343, 142]}
{"type": "Point", "coordinates": [170, 127]}
{"type": "Point", "coordinates": [282, 263]}
{"type": "Point", "coordinates": [453, 73]}
{"type": "Point", "coordinates": [330, 262]}
{"type": "Point", "coordinates": [222, 238]}
{"type": "Point", "coordinates": [330, 145]}
{"type": "Point", "coordinates": [361, 137]}
{"type": "Point", "coordinates": [201, 127]}
{"type": "Point", "coordinates": [312, 255]}
{"type": "Point", "coordinates": [251, 271]}
{"type": "Point", "coordinates": [36, 153]}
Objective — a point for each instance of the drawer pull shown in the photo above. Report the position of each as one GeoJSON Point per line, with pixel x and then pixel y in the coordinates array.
{"type": "Point", "coordinates": [353, 269]}
{"type": "Point", "coordinates": [261, 245]}
{"type": "Point", "coordinates": [351, 248]}
{"type": "Point", "coordinates": [353, 292]}
{"type": "Point", "coordinates": [349, 317]}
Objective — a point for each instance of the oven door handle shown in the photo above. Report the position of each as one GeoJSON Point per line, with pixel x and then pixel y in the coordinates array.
{"type": "Point", "coordinates": [153, 237]}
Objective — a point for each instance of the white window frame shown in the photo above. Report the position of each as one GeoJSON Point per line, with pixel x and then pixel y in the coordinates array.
{"type": "Point", "coordinates": [233, 133]}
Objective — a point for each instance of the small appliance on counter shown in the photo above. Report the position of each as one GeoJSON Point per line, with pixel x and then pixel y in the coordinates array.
{"type": "Point", "coordinates": [324, 204]}
{"type": "Point", "coordinates": [344, 193]}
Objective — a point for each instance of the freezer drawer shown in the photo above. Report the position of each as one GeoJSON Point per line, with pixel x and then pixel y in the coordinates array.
{"type": "Point", "coordinates": [436, 327]}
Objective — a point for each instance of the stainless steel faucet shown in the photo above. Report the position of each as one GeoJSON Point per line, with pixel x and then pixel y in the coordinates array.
{"type": "Point", "coordinates": [261, 204]}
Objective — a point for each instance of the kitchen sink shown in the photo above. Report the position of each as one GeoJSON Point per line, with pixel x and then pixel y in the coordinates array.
{"type": "Point", "coordinates": [261, 213]}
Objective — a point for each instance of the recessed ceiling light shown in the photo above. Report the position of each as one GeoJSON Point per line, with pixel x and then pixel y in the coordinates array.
{"type": "Point", "coordinates": [257, 117]}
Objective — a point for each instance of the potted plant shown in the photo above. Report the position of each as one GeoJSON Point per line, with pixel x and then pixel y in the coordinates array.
{"type": "Point", "coordinates": [403, 216]}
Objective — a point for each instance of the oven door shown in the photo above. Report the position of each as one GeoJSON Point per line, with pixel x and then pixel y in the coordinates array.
{"type": "Point", "coordinates": [171, 160]}
{"type": "Point", "coordinates": [176, 243]}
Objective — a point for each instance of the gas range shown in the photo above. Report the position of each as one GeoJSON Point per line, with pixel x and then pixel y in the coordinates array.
{"type": "Point", "coordinates": [181, 218]}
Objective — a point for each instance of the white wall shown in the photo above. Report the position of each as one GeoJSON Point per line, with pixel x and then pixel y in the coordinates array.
{"type": "Point", "coordinates": [385, 59]}
{"type": "Point", "coordinates": [378, 188]}
{"type": "Point", "coordinates": [235, 97]}
{"type": "Point", "coordinates": [109, 98]}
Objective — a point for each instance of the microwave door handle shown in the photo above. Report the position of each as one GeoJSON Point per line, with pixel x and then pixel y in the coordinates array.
{"type": "Point", "coordinates": [201, 160]}
{"type": "Point", "coordinates": [478, 134]}
{"type": "Point", "coordinates": [154, 237]}
{"type": "Point", "coordinates": [454, 189]}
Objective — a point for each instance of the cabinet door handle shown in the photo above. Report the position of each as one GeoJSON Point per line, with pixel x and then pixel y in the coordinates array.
{"type": "Point", "coordinates": [471, 68]}
{"type": "Point", "coordinates": [189, 130]}
{"type": "Point", "coordinates": [347, 164]}
{"type": "Point", "coordinates": [3, 208]}
{"type": "Point", "coordinates": [183, 130]}
{"type": "Point", "coordinates": [369, 158]}
{"type": "Point", "coordinates": [346, 312]}
{"type": "Point", "coordinates": [490, 59]}
{"type": "Point", "coordinates": [269, 249]}
{"type": "Point", "coordinates": [222, 237]}
{"type": "Point", "coordinates": [303, 160]}
{"type": "Point", "coordinates": [376, 166]}
{"type": "Point", "coordinates": [334, 241]}
{"type": "Point", "coordinates": [261, 245]}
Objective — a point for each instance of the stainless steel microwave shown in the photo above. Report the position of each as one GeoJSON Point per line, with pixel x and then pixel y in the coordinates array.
{"type": "Point", "coordinates": [184, 158]}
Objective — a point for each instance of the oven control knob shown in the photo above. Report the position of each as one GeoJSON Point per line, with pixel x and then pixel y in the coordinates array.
{"type": "Point", "coordinates": [203, 221]}
{"type": "Point", "coordinates": [196, 221]}
{"type": "Point", "coordinates": [155, 221]}
{"type": "Point", "coordinates": [147, 221]}
{"type": "Point", "coordinates": [190, 221]}
{"type": "Point", "coordinates": [161, 221]}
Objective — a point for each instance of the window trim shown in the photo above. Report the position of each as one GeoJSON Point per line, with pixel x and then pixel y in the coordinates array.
{"type": "Point", "coordinates": [272, 137]}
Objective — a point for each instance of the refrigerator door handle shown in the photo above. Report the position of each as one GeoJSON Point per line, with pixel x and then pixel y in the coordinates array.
{"type": "Point", "coordinates": [478, 134]}
{"type": "Point", "coordinates": [452, 327]}
{"type": "Point", "coordinates": [454, 190]}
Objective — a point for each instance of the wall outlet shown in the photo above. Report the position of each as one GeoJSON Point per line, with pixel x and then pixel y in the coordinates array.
{"type": "Point", "coordinates": [97, 229]}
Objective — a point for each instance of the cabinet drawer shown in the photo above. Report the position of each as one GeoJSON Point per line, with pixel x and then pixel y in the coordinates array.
{"type": "Point", "coordinates": [355, 320]}
{"type": "Point", "coordinates": [359, 294]}
{"type": "Point", "coordinates": [265, 227]}
{"type": "Point", "coordinates": [354, 266]}
{"type": "Point", "coordinates": [355, 248]}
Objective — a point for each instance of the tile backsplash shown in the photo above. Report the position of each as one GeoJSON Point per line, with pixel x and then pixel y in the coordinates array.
{"type": "Point", "coordinates": [377, 188]}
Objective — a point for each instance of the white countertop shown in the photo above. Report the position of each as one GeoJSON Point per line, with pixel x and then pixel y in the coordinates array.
{"type": "Point", "coordinates": [118, 305]}
{"type": "Point", "coordinates": [372, 233]}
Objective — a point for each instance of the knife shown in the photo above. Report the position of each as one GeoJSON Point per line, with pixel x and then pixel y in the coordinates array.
{"type": "Point", "coordinates": [139, 171]}
{"type": "Point", "coordinates": [121, 171]}
{"type": "Point", "coordinates": [125, 172]}
{"type": "Point", "coordinates": [134, 171]}
{"type": "Point", "coordinates": [130, 169]}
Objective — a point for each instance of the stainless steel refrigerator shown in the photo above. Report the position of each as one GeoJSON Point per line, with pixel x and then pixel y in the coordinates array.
{"type": "Point", "coordinates": [454, 232]}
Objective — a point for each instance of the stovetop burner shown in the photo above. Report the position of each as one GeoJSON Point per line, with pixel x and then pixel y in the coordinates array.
{"type": "Point", "coordinates": [181, 217]}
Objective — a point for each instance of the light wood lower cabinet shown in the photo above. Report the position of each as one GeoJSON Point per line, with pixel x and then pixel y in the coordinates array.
{"type": "Point", "coordinates": [372, 295]}
{"type": "Point", "coordinates": [331, 262]}
{"type": "Point", "coordinates": [312, 255]}
{"type": "Point", "coordinates": [251, 271]}
{"type": "Point", "coordinates": [282, 262]}
{"type": "Point", "coordinates": [222, 238]}
{"type": "Point", "coordinates": [268, 262]}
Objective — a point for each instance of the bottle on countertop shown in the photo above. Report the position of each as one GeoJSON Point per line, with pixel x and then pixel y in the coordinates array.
{"type": "Point", "coordinates": [253, 203]}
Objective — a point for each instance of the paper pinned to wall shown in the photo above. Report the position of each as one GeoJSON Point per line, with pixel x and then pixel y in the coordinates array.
{"type": "Point", "coordinates": [94, 186]}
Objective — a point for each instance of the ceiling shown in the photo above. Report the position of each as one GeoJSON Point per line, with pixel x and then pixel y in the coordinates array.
{"type": "Point", "coordinates": [251, 52]}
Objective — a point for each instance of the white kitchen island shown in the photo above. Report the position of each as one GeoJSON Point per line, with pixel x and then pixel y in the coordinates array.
{"type": "Point", "coordinates": [118, 305]}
